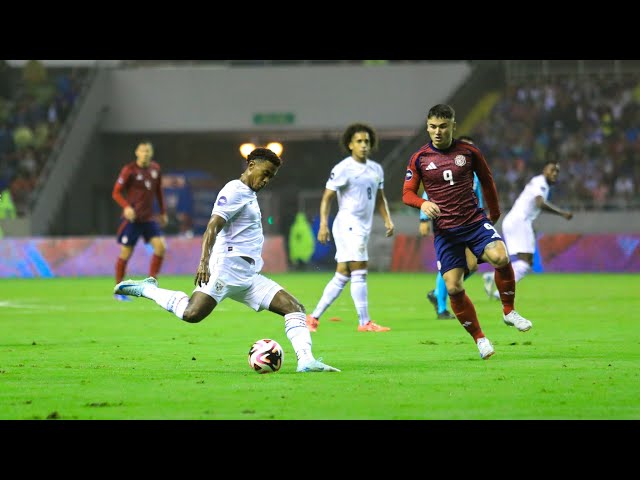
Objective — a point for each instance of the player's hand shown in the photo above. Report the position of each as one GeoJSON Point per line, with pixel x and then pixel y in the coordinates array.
{"type": "Point", "coordinates": [568, 215]}
{"type": "Point", "coordinates": [164, 220]}
{"type": "Point", "coordinates": [390, 227]}
{"type": "Point", "coordinates": [202, 275]}
{"type": "Point", "coordinates": [430, 209]}
{"type": "Point", "coordinates": [129, 213]}
{"type": "Point", "coordinates": [323, 234]}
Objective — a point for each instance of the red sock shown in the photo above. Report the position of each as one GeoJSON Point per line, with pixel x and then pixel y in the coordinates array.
{"type": "Point", "coordinates": [466, 314]}
{"type": "Point", "coordinates": [154, 267]}
{"type": "Point", "coordinates": [506, 283]}
{"type": "Point", "coordinates": [121, 268]}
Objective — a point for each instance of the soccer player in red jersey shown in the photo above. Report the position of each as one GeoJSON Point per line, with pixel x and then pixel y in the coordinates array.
{"type": "Point", "coordinates": [138, 184]}
{"type": "Point", "coordinates": [445, 167]}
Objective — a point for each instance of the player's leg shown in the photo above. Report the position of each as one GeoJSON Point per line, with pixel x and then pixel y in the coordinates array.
{"type": "Point", "coordinates": [159, 245]}
{"type": "Point", "coordinates": [472, 263]}
{"type": "Point", "coordinates": [360, 297]}
{"type": "Point", "coordinates": [127, 236]}
{"type": "Point", "coordinates": [442, 296]}
{"type": "Point", "coordinates": [453, 263]}
{"type": "Point", "coordinates": [331, 291]}
{"type": "Point", "coordinates": [263, 294]}
{"type": "Point", "coordinates": [495, 252]}
{"type": "Point", "coordinates": [520, 241]}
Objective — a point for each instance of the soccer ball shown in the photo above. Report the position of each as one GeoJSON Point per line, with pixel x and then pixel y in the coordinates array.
{"type": "Point", "coordinates": [265, 356]}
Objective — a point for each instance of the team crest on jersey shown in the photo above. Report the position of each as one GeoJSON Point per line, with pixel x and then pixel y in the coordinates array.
{"type": "Point", "coordinates": [139, 177]}
{"type": "Point", "coordinates": [460, 160]}
{"type": "Point", "coordinates": [222, 200]}
{"type": "Point", "coordinates": [154, 174]}
{"type": "Point", "coordinates": [408, 175]}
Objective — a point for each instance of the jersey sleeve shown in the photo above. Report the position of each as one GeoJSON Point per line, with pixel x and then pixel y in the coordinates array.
{"type": "Point", "coordinates": [539, 187]}
{"type": "Point", "coordinates": [120, 186]}
{"type": "Point", "coordinates": [337, 178]}
{"type": "Point", "coordinates": [228, 202]}
{"type": "Point", "coordinates": [489, 191]}
{"type": "Point", "coordinates": [160, 193]}
{"type": "Point", "coordinates": [412, 184]}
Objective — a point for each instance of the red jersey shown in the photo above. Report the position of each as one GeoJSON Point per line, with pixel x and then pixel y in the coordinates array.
{"type": "Point", "coordinates": [142, 186]}
{"type": "Point", "coordinates": [447, 177]}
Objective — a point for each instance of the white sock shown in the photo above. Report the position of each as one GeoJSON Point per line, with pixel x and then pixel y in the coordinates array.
{"type": "Point", "coordinates": [359, 295]}
{"type": "Point", "coordinates": [331, 292]}
{"type": "Point", "coordinates": [520, 269]}
{"type": "Point", "coordinates": [295, 326]}
{"type": "Point", "coordinates": [171, 300]}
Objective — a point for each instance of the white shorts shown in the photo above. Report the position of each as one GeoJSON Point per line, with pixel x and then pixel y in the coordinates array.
{"type": "Point", "coordinates": [350, 246]}
{"type": "Point", "coordinates": [235, 278]}
{"type": "Point", "coordinates": [518, 235]}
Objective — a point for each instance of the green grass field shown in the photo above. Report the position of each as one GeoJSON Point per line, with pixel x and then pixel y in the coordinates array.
{"type": "Point", "coordinates": [69, 351]}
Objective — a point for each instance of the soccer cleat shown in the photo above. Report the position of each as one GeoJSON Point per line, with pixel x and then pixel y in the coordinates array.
{"type": "Point", "coordinates": [372, 327]}
{"type": "Point", "coordinates": [489, 284]}
{"type": "Point", "coordinates": [514, 319]}
{"type": "Point", "coordinates": [312, 323]}
{"type": "Point", "coordinates": [134, 287]}
{"type": "Point", "coordinates": [122, 298]}
{"type": "Point", "coordinates": [316, 366]}
{"type": "Point", "coordinates": [431, 296]}
{"type": "Point", "coordinates": [446, 315]}
{"type": "Point", "coordinates": [485, 348]}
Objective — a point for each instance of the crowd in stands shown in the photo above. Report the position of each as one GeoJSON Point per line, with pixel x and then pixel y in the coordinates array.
{"type": "Point", "coordinates": [34, 103]}
{"type": "Point", "coordinates": [590, 124]}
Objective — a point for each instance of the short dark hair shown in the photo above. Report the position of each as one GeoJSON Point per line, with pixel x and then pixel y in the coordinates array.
{"type": "Point", "coordinates": [262, 154]}
{"type": "Point", "coordinates": [354, 128]}
{"type": "Point", "coordinates": [442, 110]}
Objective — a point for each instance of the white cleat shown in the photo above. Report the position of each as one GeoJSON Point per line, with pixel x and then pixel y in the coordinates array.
{"type": "Point", "coordinates": [485, 348]}
{"type": "Point", "coordinates": [316, 366]}
{"type": "Point", "coordinates": [134, 287]}
{"type": "Point", "coordinates": [514, 319]}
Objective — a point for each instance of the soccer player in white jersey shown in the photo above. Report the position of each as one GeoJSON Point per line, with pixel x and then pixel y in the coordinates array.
{"type": "Point", "coordinates": [231, 261]}
{"type": "Point", "coordinates": [358, 183]}
{"type": "Point", "coordinates": [517, 226]}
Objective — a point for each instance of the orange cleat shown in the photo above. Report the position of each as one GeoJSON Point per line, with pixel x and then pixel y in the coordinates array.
{"type": "Point", "coordinates": [372, 327]}
{"type": "Point", "coordinates": [312, 323]}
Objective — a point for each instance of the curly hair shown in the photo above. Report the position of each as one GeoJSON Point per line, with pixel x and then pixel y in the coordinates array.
{"type": "Point", "coordinates": [262, 154]}
{"type": "Point", "coordinates": [354, 128]}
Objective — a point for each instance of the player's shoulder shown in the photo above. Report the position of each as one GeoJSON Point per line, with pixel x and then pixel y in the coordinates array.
{"type": "Point", "coordinates": [374, 163]}
{"type": "Point", "coordinates": [154, 165]}
{"type": "Point", "coordinates": [237, 189]}
{"type": "Point", "coordinates": [127, 168]}
{"type": "Point", "coordinates": [538, 180]}
{"type": "Point", "coordinates": [420, 151]}
{"type": "Point", "coordinates": [342, 164]}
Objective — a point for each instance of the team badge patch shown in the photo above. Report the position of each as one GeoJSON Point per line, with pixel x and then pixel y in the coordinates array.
{"type": "Point", "coordinates": [222, 200]}
{"type": "Point", "coordinates": [460, 160]}
{"type": "Point", "coordinates": [408, 175]}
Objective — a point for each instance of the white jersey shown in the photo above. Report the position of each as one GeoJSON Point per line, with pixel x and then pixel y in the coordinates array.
{"type": "Point", "coordinates": [357, 186]}
{"type": "Point", "coordinates": [242, 234]}
{"type": "Point", "coordinates": [525, 207]}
